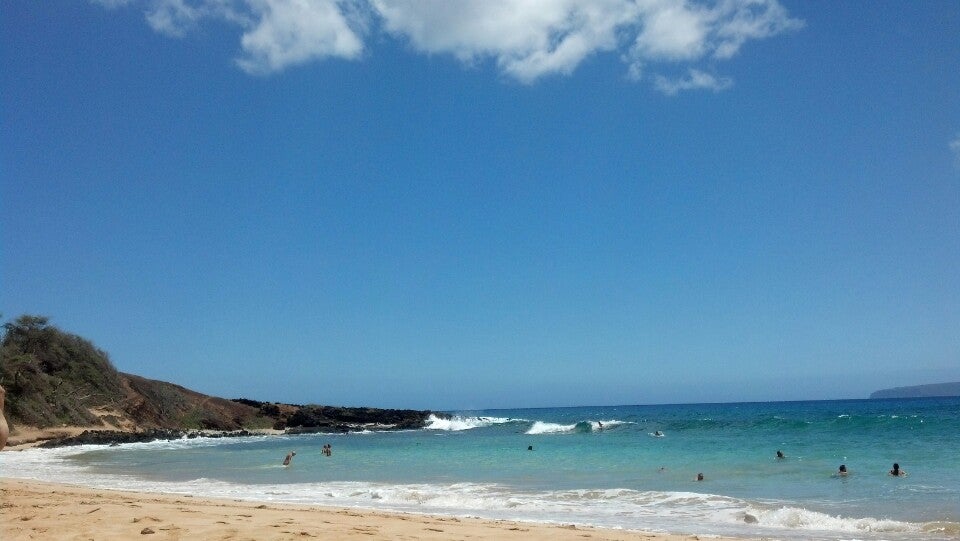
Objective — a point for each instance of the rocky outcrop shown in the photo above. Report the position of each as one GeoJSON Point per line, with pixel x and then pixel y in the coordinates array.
{"type": "Point", "coordinates": [339, 419]}
{"type": "Point", "coordinates": [116, 437]}
{"type": "Point", "coordinates": [304, 419]}
{"type": "Point", "coordinates": [280, 413]}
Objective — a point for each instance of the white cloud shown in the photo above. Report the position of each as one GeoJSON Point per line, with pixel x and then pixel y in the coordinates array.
{"type": "Point", "coordinates": [173, 17]}
{"type": "Point", "coordinates": [178, 17]}
{"type": "Point", "coordinates": [671, 31]}
{"type": "Point", "coordinates": [694, 80]}
{"type": "Point", "coordinates": [955, 148]}
{"type": "Point", "coordinates": [290, 32]}
{"type": "Point", "coordinates": [685, 31]}
{"type": "Point", "coordinates": [525, 39]}
{"type": "Point", "coordinates": [740, 21]}
{"type": "Point", "coordinates": [112, 3]}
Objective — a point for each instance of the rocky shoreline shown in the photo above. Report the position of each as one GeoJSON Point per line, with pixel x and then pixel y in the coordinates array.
{"type": "Point", "coordinates": [305, 420]}
{"type": "Point", "coordinates": [117, 437]}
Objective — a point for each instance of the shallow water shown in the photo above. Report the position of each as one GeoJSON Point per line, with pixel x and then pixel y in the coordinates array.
{"type": "Point", "coordinates": [619, 475]}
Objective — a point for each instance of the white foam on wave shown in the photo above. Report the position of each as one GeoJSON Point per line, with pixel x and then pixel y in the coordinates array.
{"type": "Point", "coordinates": [543, 427]}
{"type": "Point", "coordinates": [458, 423]}
{"type": "Point", "coordinates": [796, 518]}
{"type": "Point", "coordinates": [187, 443]}
{"type": "Point", "coordinates": [540, 427]}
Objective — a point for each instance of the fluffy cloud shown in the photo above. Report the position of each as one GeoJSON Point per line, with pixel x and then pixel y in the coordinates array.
{"type": "Point", "coordinates": [695, 79]}
{"type": "Point", "coordinates": [526, 39]}
{"type": "Point", "coordinates": [290, 32]}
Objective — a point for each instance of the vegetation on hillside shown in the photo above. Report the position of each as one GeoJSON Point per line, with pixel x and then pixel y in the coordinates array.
{"type": "Point", "coordinates": [53, 377]}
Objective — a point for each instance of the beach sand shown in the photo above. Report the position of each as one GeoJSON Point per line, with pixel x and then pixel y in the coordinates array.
{"type": "Point", "coordinates": [35, 510]}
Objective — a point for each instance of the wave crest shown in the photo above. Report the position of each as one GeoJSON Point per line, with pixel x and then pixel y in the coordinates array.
{"type": "Point", "coordinates": [541, 427]}
{"type": "Point", "coordinates": [805, 519]}
{"type": "Point", "coordinates": [457, 423]}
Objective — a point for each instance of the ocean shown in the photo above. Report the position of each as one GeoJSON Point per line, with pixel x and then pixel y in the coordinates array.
{"type": "Point", "coordinates": [602, 466]}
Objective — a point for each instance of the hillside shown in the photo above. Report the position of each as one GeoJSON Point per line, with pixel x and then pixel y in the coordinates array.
{"type": "Point", "coordinates": [919, 391]}
{"type": "Point", "coordinates": [56, 379]}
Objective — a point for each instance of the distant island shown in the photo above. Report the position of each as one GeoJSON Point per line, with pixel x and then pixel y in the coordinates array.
{"type": "Point", "coordinates": [919, 391]}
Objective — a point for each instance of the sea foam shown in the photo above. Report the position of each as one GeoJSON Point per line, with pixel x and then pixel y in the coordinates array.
{"type": "Point", "coordinates": [541, 427]}
{"type": "Point", "coordinates": [458, 423]}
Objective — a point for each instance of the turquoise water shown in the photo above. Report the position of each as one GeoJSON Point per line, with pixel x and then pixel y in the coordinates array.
{"type": "Point", "coordinates": [620, 475]}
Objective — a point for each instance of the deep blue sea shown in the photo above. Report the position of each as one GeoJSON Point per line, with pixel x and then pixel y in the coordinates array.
{"type": "Point", "coordinates": [620, 475]}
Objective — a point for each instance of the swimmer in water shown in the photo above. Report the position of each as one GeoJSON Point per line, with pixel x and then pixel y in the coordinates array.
{"type": "Point", "coordinates": [842, 472]}
{"type": "Point", "coordinates": [658, 434]}
{"type": "Point", "coordinates": [897, 472]}
{"type": "Point", "coordinates": [699, 477]}
{"type": "Point", "coordinates": [780, 454]}
{"type": "Point", "coordinates": [289, 458]}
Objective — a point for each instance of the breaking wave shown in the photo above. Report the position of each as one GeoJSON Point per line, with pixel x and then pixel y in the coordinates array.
{"type": "Point", "coordinates": [541, 427]}
{"type": "Point", "coordinates": [457, 423]}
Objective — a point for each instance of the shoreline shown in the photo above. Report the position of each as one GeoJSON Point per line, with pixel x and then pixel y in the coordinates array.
{"type": "Point", "coordinates": [41, 510]}
{"type": "Point", "coordinates": [29, 437]}
{"type": "Point", "coordinates": [647, 500]}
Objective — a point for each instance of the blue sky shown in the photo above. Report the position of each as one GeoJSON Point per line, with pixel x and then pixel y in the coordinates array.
{"type": "Point", "coordinates": [455, 205]}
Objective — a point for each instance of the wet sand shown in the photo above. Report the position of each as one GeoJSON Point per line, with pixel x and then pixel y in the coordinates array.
{"type": "Point", "coordinates": [36, 510]}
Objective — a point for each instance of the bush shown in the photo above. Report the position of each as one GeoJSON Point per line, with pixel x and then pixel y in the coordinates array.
{"type": "Point", "coordinates": [53, 377]}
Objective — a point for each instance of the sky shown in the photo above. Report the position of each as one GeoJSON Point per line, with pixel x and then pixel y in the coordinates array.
{"type": "Point", "coordinates": [469, 204]}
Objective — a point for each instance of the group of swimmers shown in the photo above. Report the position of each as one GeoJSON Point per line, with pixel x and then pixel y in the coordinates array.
{"type": "Point", "coordinates": [896, 471]}
{"type": "Point", "coordinates": [842, 471]}
{"type": "Point", "coordinates": [327, 450]}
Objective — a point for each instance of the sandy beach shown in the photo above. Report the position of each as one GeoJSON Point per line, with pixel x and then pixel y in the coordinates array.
{"type": "Point", "coordinates": [35, 510]}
